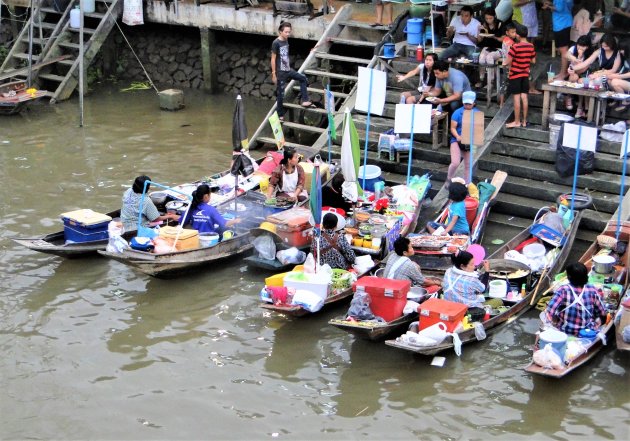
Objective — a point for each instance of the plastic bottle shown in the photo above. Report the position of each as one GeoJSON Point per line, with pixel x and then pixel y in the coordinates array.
{"type": "Point", "coordinates": [75, 18]}
{"type": "Point", "coordinates": [523, 291]}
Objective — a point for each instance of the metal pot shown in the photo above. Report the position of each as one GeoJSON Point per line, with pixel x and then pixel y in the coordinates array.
{"type": "Point", "coordinates": [503, 269]}
{"type": "Point", "coordinates": [603, 264]}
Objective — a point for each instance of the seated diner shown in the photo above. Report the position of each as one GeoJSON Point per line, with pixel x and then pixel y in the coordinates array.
{"type": "Point", "coordinates": [576, 305]}
{"type": "Point", "coordinates": [400, 266]}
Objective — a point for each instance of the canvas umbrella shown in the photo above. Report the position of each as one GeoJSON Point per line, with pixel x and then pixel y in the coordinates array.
{"type": "Point", "coordinates": [350, 159]}
{"type": "Point", "coordinates": [240, 142]}
{"type": "Point", "coordinates": [315, 205]}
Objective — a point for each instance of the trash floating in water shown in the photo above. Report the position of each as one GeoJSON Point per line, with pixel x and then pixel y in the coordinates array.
{"type": "Point", "coordinates": [498, 242]}
{"type": "Point", "coordinates": [6, 142]}
{"type": "Point", "coordinates": [438, 361]}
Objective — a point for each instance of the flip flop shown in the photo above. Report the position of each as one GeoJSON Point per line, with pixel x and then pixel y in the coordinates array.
{"type": "Point", "coordinates": [513, 125]}
{"type": "Point", "coordinates": [374, 25]}
{"type": "Point", "coordinates": [308, 105]}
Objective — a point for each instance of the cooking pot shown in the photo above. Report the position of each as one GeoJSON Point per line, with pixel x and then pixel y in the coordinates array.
{"type": "Point", "coordinates": [603, 264]}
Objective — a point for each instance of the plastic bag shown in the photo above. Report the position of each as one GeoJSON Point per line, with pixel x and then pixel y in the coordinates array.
{"type": "Point", "coordinates": [291, 255]}
{"type": "Point", "coordinates": [480, 331]}
{"type": "Point", "coordinates": [410, 307]}
{"type": "Point", "coordinates": [116, 245]}
{"type": "Point", "coordinates": [565, 156]}
{"type": "Point", "coordinates": [613, 132]}
{"type": "Point", "coordinates": [548, 358]}
{"type": "Point", "coordinates": [115, 229]}
{"type": "Point", "coordinates": [265, 246]}
{"type": "Point", "coordinates": [132, 13]}
{"type": "Point", "coordinates": [309, 264]}
{"type": "Point", "coordinates": [308, 300]}
{"type": "Point", "coordinates": [360, 307]}
{"type": "Point", "coordinates": [363, 263]}
{"type": "Point", "coordinates": [575, 348]}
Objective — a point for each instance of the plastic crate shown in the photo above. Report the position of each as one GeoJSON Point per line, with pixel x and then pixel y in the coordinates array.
{"type": "Point", "coordinates": [549, 235]}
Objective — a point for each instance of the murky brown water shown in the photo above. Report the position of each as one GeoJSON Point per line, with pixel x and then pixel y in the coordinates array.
{"type": "Point", "coordinates": [92, 350]}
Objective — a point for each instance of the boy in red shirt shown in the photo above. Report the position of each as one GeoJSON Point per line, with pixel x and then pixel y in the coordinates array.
{"type": "Point", "coordinates": [520, 58]}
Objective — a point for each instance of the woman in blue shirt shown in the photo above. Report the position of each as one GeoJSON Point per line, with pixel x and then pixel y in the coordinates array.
{"type": "Point", "coordinates": [459, 150]}
{"type": "Point", "coordinates": [562, 20]}
{"type": "Point", "coordinates": [202, 216]}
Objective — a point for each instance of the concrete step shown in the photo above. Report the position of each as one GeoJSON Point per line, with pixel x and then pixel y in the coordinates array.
{"type": "Point", "coordinates": [534, 151]}
{"type": "Point", "coordinates": [548, 192]}
{"type": "Point", "coordinates": [363, 25]}
{"type": "Point", "coordinates": [543, 172]}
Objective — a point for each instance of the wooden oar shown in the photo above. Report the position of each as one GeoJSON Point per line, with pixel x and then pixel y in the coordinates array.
{"type": "Point", "coordinates": [542, 276]}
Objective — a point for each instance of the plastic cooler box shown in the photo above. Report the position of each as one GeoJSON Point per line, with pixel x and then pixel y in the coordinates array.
{"type": "Point", "coordinates": [85, 225]}
{"type": "Point", "coordinates": [387, 296]}
{"type": "Point", "coordinates": [295, 232]}
{"type": "Point", "coordinates": [187, 240]}
{"type": "Point", "coordinates": [437, 310]}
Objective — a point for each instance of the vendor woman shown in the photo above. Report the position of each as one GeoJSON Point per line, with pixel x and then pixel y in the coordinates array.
{"type": "Point", "coordinates": [334, 249]}
{"type": "Point", "coordinates": [202, 216]}
{"type": "Point", "coordinates": [288, 178]}
{"type": "Point", "coordinates": [462, 283]}
{"type": "Point", "coordinates": [131, 206]}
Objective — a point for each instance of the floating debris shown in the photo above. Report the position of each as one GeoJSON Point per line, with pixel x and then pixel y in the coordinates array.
{"type": "Point", "coordinates": [498, 242]}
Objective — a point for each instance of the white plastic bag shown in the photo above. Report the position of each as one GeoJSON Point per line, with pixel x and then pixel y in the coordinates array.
{"type": "Point", "coordinates": [613, 132]}
{"type": "Point", "coordinates": [363, 263]}
{"type": "Point", "coordinates": [132, 13]}
{"type": "Point", "coordinates": [548, 358]}
{"type": "Point", "coordinates": [265, 246]}
{"type": "Point", "coordinates": [308, 300]}
{"type": "Point", "coordinates": [410, 307]}
{"type": "Point", "coordinates": [480, 331]}
{"type": "Point", "coordinates": [309, 264]}
{"type": "Point", "coordinates": [291, 255]}
{"type": "Point", "coordinates": [436, 332]}
{"type": "Point", "coordinates": [116, 243]}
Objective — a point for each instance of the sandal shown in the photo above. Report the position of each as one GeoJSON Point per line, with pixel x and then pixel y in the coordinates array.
{"type": "Point", "coordinates": [308, 104]}
{"type": "Point", "coordinates": [513, 125]}
{"type": "Point", "coordinates": [374, 25]}
{"type": "Point", "coordinates": [621, 108]}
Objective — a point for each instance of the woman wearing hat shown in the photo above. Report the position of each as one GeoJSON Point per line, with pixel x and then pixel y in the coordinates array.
{"type": "Point", "coordinates": [459, 150]}
{"type": "Point", "coordinates": [334, 249]}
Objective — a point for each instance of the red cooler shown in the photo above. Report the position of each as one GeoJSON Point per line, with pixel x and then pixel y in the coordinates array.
{"type": "Point", "coordinates": [437, 310]}
{"type": "Point", "coordinates": [387, 296]}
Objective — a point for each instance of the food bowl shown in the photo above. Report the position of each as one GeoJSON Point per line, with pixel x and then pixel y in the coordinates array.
{"type": "Point", "coordinates": [362, 216]}
{"type": "Point", "coordinates": [416, 293]}
{"type": "Point", "coordinates": [208, 239]}
{"type": "Point", "coordinates": [603, 264]}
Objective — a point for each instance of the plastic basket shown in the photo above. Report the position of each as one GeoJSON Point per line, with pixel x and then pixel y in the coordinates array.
{"type": "Point", "coordinates": [341, 279]}
{"type": "Point", "coordinates": [549, 235]}
{"type": "Point", "coordinates": [606, 241]}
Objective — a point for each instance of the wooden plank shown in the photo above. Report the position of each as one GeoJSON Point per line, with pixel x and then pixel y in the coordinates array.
{"type": "Point", "coordinates": [348, 42]}
{"type": "Point", "coordinates": [24, 70]}
{"type": "Point", "coordinates": [322, 73]}
{"type": "Point", "coordinates": [327, 56]}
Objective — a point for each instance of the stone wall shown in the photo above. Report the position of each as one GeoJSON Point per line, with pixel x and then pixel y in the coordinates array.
{"type": "Point", "coordinates": [172, 58]}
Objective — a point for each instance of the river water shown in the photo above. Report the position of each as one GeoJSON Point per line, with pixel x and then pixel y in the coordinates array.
{"type": "Point", "coordinates": [93, 350]}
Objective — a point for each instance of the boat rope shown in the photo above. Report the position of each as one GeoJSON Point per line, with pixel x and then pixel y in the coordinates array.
{"type": "Point", "coordinates": [133, 52]}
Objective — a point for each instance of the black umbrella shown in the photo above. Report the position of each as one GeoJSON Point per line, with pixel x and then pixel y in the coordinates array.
{"type": "Point", "coordinates": [240, 142]}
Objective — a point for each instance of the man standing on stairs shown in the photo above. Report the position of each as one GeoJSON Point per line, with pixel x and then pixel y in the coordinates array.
{"type": "Point", "coordinates": [281, 71]}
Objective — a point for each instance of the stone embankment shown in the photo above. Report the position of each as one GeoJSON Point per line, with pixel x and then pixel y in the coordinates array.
{"type": "Point", "coordinates": [172, 57]}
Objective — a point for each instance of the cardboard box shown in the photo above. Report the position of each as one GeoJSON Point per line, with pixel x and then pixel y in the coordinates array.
{"type": "Point", "coordinates": [437, 310]}
{"type": "Point", "coordinates": [387, 296]}
{"type": "Point", "coordinates": [187, 240]}
{"type": "Point", "coordinates": [308, 173]}
{"type": "Point", "coordinates": [478, 128]}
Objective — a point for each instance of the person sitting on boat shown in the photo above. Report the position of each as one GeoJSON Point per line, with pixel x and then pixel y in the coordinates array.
{"type": "Point", "coordinates": [400, 266]}
{"type": "Point", "coordinates": [288, 178]}
{"type": "Point", "coordinates": [576, 305]}
{"type": "Point", "coordinates": [462, 283]}
{"type": "Point", "coordinates": [331, 194]}
{"type": "Point", "coordinates": [456, 222]}
{"type": "Point", "coordinates": [334, 249]}
{"type": "Point", "coordinates": [131, 207]}
{"type": "Point", "coordinates": [202, 216]}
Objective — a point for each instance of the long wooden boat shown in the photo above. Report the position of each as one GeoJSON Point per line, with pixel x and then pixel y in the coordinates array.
{"type": "Point", "coordinates": [250, 210]}
{"type": "Point", "coordinates": [15, 95]}
{"type": "Point", "coordinates": [343, 296]}
{"type": "Point", "coordinates": [55, 243]}
{"type": "Point", "coordinates": [432, 266]}
{"type": "Point", "coordinates": [514, 311]}
{"type": "Point", "coordinates": [621, 277]}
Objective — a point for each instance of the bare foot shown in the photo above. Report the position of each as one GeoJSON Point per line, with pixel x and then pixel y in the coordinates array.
{"type": "Point", "coordinates": [513, 125]}
{"type": "Point", "coordinates": [534, 92]}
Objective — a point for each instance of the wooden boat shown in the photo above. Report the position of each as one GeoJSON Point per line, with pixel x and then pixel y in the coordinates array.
{"type": "Point", "coordinates": [250, 210]}
{"type": "Point", "coordinates": [344, 296]}
{"type": "Point", "coordinates": [15, 95]}
{"type": "Point", "coordinates": [432, 266]}
{"type": "Point", "coordinates": [621, 277]}
{"type": "Point", "coordinates": [514, 311]}
{"type": "Point", "coordinates": [55, 243]}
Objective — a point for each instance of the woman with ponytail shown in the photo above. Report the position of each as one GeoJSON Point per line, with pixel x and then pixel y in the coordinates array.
{"type": "Point", "coordinates": [202, 216]}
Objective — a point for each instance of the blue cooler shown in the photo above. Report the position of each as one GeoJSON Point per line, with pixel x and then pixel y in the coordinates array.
{"type": "Point", "coordinates": [372, 176]}
{"type": "Point", "coordinates": [85, 226]}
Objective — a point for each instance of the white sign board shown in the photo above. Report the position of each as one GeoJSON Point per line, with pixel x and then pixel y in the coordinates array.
{"type": "Point", "coordinates": [371, 100]}
{"type": "Point", "coordinates": [625, 144]}
{"type": "Point", "coordinates": [588, 137]}
{"type": "Point", "coordinates": [421, 118]}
